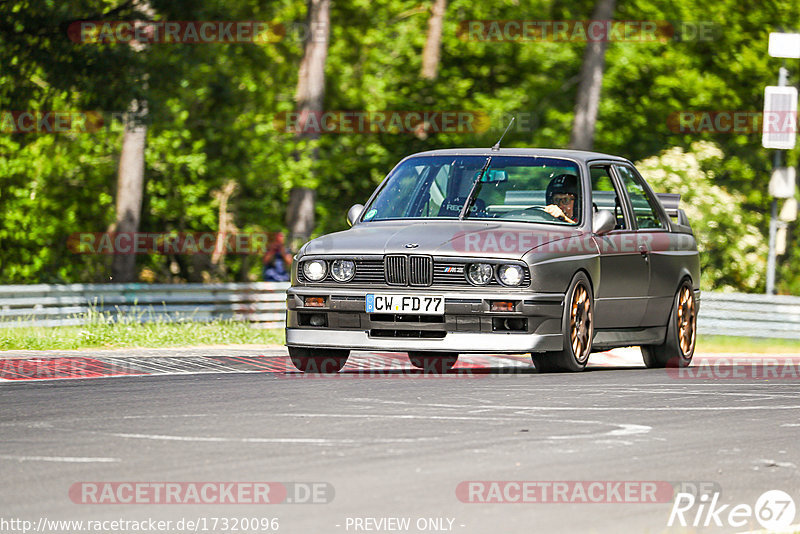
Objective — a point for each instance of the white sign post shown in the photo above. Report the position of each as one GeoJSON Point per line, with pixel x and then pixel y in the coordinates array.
{"type": "Point", "coordinates": [785, 45]}
{"type": "Point", "coordinates": [779, 124]}
{"type": "Point", "coordinates": [781, 185]}
{"type": "Point", "coordinates": [779, 131]}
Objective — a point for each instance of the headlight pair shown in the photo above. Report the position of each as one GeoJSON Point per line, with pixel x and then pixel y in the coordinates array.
{"type": "Point", "coordinates": [481, 274]}
{"type": "Point", "coordinates": [341, 270]}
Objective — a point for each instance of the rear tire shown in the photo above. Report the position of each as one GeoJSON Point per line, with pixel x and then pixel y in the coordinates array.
{"type": "Point", "coordinates": [678, 346]}
{"type": "Point", "coordinates": [326, 361]}
{"type": "Point", "coordinates": [577, 326]}
{"type": "Point", "coordinates": [433, 362]}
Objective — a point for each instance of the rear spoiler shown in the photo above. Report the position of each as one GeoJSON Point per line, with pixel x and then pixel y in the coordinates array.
{"type": "Point", "coordinates": [671, 203]}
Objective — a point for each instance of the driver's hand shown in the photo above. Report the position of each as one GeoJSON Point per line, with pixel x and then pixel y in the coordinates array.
{"type": "Point", "coordinates": [556, 212]}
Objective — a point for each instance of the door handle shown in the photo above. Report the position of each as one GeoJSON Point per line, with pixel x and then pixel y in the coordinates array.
{"type": "Point", "coordinates": [644, 252]}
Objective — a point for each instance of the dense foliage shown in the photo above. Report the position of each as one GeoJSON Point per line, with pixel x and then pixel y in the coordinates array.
{"type": "Point", "coordinates": [715, 225]}
{"type": "Point", "coordinates": [215, 113]}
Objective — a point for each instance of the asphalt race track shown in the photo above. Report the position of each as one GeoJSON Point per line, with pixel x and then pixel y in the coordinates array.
{"type": "Point", "coordinates": [388, 448]}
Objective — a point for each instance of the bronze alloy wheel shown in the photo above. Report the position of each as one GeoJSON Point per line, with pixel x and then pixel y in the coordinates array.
{"type": "Point", "coordinates": [677, 348]}
{"type": "Point", "coordinates": [687, 320]}
{"type": "Point", "coordinates": [580, 324]}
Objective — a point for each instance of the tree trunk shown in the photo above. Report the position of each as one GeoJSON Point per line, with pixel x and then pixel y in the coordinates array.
{"type": "Point", "coordinates": [130, 184]}
{"type": "Point", "coordinates": [594, 58]}
{"type": "Point", "coordinates": [226, 227]}
{"type": "Point", "coordinates": [130, 174]}
{"type": "Point", "coordinates": [310, 99]}
{"type": "Point", "coordinates": [433, 43]}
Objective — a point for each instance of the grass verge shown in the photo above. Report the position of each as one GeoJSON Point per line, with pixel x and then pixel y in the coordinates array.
{"type": "Point", "coordinates": [721, 344]}
{"type": "Point", "coordinates": [107, 331]}
{"type": "Point", "coordinates": [104, 331]}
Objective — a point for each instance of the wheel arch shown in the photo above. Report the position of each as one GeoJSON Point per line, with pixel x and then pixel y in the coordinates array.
{"type": "Point", "coordinates": [685, 275]}
{"type": "Point", "coordinates": [588, 277]}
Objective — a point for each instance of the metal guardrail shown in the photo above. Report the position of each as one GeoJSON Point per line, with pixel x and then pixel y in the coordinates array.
{"type": "Point", "coordinates": [264, 304]}
{"type": "Point", "coordinates": [748, 315]}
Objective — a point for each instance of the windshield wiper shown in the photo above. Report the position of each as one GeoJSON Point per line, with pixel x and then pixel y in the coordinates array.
{"type": "Point", "coordinates": [471, 196]}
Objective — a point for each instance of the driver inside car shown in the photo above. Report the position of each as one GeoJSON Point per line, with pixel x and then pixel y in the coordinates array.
{"type": "Point", "coordinates": [561, 196]}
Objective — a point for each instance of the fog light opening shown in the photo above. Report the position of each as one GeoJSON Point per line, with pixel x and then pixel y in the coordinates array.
{"type": "Point", "coordinates": [312, 319]}
{"type": "Point", "coordinates": [317, 319]}
{"type": "Point", "coordinates": [509, 324]}
{"type": "Point", "coordinates": [515, 323]}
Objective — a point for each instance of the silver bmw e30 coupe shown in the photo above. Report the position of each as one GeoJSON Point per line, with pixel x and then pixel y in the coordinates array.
{"type": "Point", "coordinates": [556, 253]}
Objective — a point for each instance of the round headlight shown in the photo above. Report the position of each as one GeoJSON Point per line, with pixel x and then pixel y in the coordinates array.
{"type": "Point", "coordinates": [480, 274]}
{"type": "Point", "coordinates": [510, 275]}
{"type": "Point", "coordinates": [343, 270]}
{"type": "Point", "coordinates": [315, 270]}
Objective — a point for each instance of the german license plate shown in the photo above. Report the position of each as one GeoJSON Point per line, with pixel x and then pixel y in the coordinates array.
{"type": "Point", "coordinates": [399, 303]}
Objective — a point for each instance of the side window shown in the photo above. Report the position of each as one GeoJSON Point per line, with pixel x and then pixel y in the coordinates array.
{"type": "Point", "coordinates": [644, 209]}
{"type": "Point", "coordinates": [605, 195]}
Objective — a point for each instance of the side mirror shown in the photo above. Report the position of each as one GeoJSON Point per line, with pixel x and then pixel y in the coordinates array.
{"type": "Point", "coordinates": [354, 213]}
{"type": "Point", "coordinates": [603, 222]}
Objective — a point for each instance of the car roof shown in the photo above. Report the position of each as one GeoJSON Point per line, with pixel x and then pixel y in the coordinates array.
{"type": "Point", "coordinates": [578, 155]}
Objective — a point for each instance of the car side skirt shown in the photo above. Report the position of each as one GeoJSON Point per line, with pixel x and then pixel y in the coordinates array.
{"type": "Point", "coordinates": [609, 339]}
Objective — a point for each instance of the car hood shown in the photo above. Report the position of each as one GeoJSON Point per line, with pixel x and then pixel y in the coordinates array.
{"type": "Point", "coordinates": [444, 238]}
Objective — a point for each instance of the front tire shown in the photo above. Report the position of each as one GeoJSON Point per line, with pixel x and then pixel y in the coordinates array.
{"type": "Point", "coordinates": [678, 346]}
{"type": "Point", "coordinates": [578, 330]}
{"type": "Point", "coordinates": [326, 361]}
{"type": "Point", "coordinates": [433, 362]}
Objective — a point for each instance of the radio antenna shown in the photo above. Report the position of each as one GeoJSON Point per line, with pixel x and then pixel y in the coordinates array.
{"type": "Point", "coordinates": [496, 146]}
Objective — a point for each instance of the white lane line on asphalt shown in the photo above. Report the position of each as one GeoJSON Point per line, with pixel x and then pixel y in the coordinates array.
{"type": "Point", "coordinates": [67, 459]}
{"type": "Point", "coordinates": [170, 416]}
{"type": "Point", "coordinates": [650, 391]}
{"type": "Point", "coordinates": [589, 408]}
{"type": "Point", "coordinates": [316, 441]}
{"type": "Point", "coordinates": [630, 430]}
{"type": "Point", "coordinates": [392, 416]}
{"type": "Point", "coordinates": [624, 429]}
{"type": "Point", "coordinates": [790, 424]}
{"type": "Point", "coordinates": [644, 385]}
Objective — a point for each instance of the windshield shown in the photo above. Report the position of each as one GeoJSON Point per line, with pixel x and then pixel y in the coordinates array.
{"type": "Point", "coordinates": [544, 190]}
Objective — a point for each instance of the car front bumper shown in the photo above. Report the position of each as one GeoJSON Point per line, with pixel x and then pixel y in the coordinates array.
{"type": "Point", "coordinates": [468, 324]}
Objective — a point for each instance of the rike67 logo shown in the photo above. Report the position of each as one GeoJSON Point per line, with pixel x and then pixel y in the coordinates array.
{"type": "Point", "coordinates": [774, 510]}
